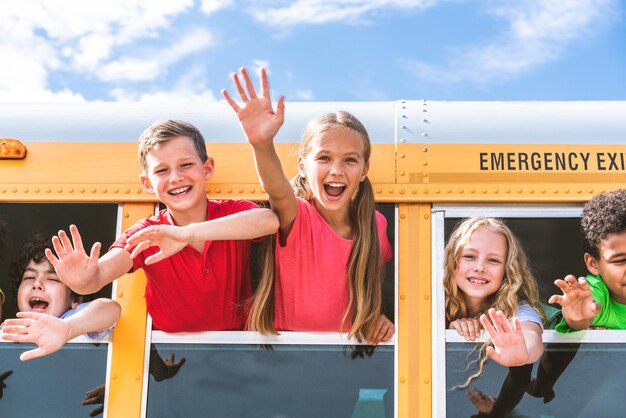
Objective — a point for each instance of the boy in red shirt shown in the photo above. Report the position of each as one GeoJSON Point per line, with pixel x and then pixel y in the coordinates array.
{"type": "Point", "coordinates": [201, 286]}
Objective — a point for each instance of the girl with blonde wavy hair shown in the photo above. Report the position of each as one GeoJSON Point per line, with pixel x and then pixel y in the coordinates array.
{"type": "Point", "coordinates": [488, 283]}
{"type": "Point", "coordinates": [325, 271]}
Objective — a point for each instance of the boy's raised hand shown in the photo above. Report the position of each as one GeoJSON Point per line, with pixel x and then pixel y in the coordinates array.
{"type": "Point", "coordinates": [509, 346]}
{"type": "Point", "coordinates": [577, 301]}
{"type": "Point", "coordinates": [257, 117]}
{"type": "Point", "coordinates": [71, 263]}
{"type": "Point", "coordinates": [170, 240]}
{"type": "Point", "coordinates": [48, 332]}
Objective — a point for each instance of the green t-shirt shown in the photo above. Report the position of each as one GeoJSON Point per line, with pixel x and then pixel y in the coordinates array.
{"type": "Point", "coordinates": [612, 314]}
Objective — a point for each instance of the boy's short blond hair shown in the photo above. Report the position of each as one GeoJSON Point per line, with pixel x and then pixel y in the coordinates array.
{"type": "Point", "coordinates": [164, 130]}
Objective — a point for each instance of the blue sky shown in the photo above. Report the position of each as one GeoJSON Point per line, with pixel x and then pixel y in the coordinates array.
{"type": "Point", "coordinates": [315, 50]}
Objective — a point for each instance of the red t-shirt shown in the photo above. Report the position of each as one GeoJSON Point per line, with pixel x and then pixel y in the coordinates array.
{"type": "Point", "coordinates": [312, 291]}
{"type": "Point", "coordinates": [192, 291]}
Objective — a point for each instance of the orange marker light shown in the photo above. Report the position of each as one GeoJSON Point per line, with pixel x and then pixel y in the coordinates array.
{"type": "Point", "coordinates": [12, 149]}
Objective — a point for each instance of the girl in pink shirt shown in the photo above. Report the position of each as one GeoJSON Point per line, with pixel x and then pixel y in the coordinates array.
{"type": "Point", "coordinates": [327, 273]}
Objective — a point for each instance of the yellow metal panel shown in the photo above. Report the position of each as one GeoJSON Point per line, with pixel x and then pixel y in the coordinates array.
{"type": "Point", "coordinates": [414, 310]}
{"type": "Point", "coordinates": [109, 172]}
{"type": "Point", "coordinates": [510, 172]}
{"type": "Point", "coordinates": [129, 335]}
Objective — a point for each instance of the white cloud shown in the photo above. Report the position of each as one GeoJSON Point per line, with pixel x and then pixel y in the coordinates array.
{"type": "Point", "coordinates": [537, 32]}
{"type": "Point", "coordinates": [73, 37]}
{"type": "Point", "coordinates": [189, 88]}
{"type": "Point", "coordinates": [328, 11]}
{"type": "Point", "coordinates": [155, 62]}
{"type": "Point", "coordinates": [211, 6]}
{"type": "Point", "coordinates": [304, 95]}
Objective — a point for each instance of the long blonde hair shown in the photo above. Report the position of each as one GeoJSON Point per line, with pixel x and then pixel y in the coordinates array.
{"type": "Point", "coordinates": [518, 283]}
{"type": "Point", "coordinates": [365, 264]}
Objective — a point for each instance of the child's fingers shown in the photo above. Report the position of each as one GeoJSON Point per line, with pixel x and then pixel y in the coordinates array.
{"type": "Point", "coordinates": [58, 247]}
{"type": "Point", "coordinates": [29, 355]}
{"type": "Point", "coordinates": [155, 258]}
{"type": "Point", "coordinates": [486, 321]}
{"type": "Point", "coordinates": [500, 321]}
{"type": "Point", "coordinates": [493, 354]}
{"type": "Point", "coordinates": [51, 258]}
{"type": "Point", "coordinates": [65, 240]}
{"type": "Point", "coordinates": [280, 109]}
{"type": "Point", "coordinates": [556, 299]}
{"type": "Point", "coordinates": [230, 101]}
{"type": "Point", "coordinates": [239, 87]}
{"type": "Point", "coordinates": [17, 335]}
{"type": "Point", "coordinates": [595, 307]}
{"type": "Point", "coordinates": [265, 84]}
{"type": "Point", "coordinates": [563, 285]}
{"type": "Point", "coordinates": [249, 84]}
{"type": "Point", "coordinates": [143, 245]}
{"type": "Point", "coordinates": [78, 241]}
{"type": "Point", "coordinates": [94, 254]}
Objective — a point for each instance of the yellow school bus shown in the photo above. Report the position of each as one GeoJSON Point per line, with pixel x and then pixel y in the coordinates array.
{"type": "Point", "coordinates": [533, 164]}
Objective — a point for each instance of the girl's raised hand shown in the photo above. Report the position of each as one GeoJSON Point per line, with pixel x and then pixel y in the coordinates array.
{"type": "Point", "coordinates": [468, 328]}
{"type": "Point", "coordinates": [257, 117]}
{"type": "Point", "coordinates": [509, 346]}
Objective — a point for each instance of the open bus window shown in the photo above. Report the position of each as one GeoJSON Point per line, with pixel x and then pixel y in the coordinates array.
{"type": "Point", "coordinates": [553, 247]}
{"type": "Point", "coordinates": [279, 381]}
{"type": "Point", "coordinates": [96, 222]}
{"type": "Point", "coordinates": [54, 385]}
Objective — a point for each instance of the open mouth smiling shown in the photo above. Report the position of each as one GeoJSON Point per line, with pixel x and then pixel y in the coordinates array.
{"type": "Point", "coordinates": [334, 189]}
{"type": "Point", "coordinates": [179, 191]}
{"type": "Point", "coordinates": [476, 280]}
{"type": "Point", "coordinates": [38, 304]}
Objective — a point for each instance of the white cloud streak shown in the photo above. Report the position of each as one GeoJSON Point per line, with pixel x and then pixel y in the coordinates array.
{"type": "Point", "coordinates": [329, 11]}
{"type": "Point", "coordinates": [45, 36]}
{"type": "Point", "coordinates": [538, 32]}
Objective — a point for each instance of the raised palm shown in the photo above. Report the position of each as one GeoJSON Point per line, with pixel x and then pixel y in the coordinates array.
{"type": "Point", "coordinates": [509, 346]}
{"type": "Point", "coordinates": [256, 115]}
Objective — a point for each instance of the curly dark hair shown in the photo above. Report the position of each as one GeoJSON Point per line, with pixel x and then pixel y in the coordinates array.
{"type": "Point", "coordinates": [603, 215]}
{"type": "Point", "coordinates": [33, 250]}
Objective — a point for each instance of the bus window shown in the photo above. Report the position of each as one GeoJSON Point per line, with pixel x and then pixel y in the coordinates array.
{"type": "Point", "coordinates": [553, 247]}
{"type": "Point", "coordinates": [96, 222]}
{"type": "Point", "coordinates": [274, 381]}
{"type": "Point", "coordinates": [576, 393]}
{"type": "Point", "coordinates": [51, 386]}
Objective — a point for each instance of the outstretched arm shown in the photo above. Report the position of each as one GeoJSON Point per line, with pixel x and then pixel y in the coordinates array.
{"type": "Point", "coordinates": [512, 346]}
{"type": "Point", "coordinates": [171, 239]}
{"type": "Point", "coordinates": [51, 333]}
{"type": "Point", "coordinates": [84, 273]}
{"type": "Point", "coordinates": [260, 124]}
{"type": "Point", "coordinates": [579, 306]}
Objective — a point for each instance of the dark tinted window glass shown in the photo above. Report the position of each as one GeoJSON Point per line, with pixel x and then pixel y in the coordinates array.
{"type": "Point", "coordinates": [285, 381]}
{"type": "Point", "coordinates": [51, 386]}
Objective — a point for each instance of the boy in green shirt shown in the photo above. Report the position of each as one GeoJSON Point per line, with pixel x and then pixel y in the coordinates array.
{"type": "Point", "coordinates": [598, 300]}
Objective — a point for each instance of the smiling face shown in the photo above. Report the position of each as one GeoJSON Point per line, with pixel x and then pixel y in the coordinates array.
{"type": "Point", "coordinates": [481, 267]}
{"type": "Point", "coordinates": [41, 291]}
{"type": "Point", "coordinates": [334, 167]}
{"type": "Point", "coordinates": [611, 265]}
{"type": "Point", "coordinates": [176, 175]}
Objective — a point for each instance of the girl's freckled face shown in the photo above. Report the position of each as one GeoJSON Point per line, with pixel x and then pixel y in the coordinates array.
{"type": "Point", "coordinates": [481, 266]}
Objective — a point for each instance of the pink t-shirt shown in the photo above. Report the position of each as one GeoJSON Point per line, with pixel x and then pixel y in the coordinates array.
{"type": "Point", "coordinates": [312, 291]}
